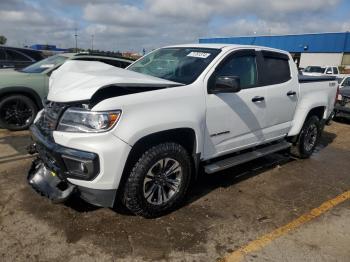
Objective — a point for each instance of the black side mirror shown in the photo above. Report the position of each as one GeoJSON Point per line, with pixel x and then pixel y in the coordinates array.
{"type": "Point", "coordinates": [226, 84]}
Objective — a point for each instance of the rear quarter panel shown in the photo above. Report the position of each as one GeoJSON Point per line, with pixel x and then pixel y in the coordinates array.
{"type": "Point", "coordinates": [312, 95]}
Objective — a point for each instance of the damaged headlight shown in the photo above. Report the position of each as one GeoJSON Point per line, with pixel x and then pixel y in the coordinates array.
{"type": "Point", "coordinates": [84, 121]}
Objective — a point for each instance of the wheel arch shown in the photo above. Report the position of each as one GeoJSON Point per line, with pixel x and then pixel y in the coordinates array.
{"type": "Point", "coordinates": [184, 136]}
{"type": "Point", "coordinates": [318, 111]}
{"type": "Point", "coordinates": [21, 90]}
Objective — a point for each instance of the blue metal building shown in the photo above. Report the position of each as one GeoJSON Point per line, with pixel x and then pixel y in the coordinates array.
{"type": "Point", "coordinates": [320, 48]}
{"type": "Point", "coordinates": [48, 48]}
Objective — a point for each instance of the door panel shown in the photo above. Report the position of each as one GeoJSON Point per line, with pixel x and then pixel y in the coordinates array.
{"type": "Point", "coordinates": [233, 120]}
{"type": "Point", "coordinates": [281, 95]}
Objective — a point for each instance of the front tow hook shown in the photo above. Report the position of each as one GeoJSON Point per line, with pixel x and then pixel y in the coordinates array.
{"type": "Point", "coordinates": [31, 149]}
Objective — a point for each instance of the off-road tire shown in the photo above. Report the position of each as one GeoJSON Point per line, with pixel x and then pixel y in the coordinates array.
{"type": "Point", "coordinates": [300, 149]}
{"type": "Point", "coordinates": [133, 194]}
{"type": "Point", "coordinates": [25, 102]}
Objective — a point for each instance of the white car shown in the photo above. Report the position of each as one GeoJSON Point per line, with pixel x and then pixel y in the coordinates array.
{"type": "Point", "coordinates": [138, 136]}
{"type": "Point", "coordinates": [321, 70]}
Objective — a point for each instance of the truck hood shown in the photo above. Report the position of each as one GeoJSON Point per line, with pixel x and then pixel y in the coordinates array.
{"type": "Point", "coordinates": [80, 80]}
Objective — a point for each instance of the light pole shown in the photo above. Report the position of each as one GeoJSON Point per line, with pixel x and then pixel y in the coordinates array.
{"type": "Point", "coordinates": [76, 39]}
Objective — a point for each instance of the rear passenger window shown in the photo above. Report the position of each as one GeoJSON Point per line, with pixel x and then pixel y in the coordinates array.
{"type": "Point", "coordinates": [16, 56]}
{"type": "Point", "coordinates": [276, 68]}
{"type": "Point", "coordinates": [243, 66]}
{"type": "Point", "coordinates": [335, 70]}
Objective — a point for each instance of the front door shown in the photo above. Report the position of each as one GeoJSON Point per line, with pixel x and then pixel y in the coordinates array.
{"type": "Point", "coordinates": [235, 121]}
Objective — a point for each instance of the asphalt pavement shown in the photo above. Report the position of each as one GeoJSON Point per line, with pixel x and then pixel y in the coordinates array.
{"type": "Point", "coordinates": [272, 209]}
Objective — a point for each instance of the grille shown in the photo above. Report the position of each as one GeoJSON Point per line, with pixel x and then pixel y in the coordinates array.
{"type": "Point", "coordinates": [49, 118]}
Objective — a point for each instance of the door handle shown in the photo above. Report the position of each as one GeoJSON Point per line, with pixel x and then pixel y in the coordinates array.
{"type": "Point", "coordinates": [291, 93]}
{"type": "Point", "coordinates": [258, 99]}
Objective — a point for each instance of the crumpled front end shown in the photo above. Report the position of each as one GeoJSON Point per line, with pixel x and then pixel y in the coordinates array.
{"type": "Point", "coordinates": [56, 165]}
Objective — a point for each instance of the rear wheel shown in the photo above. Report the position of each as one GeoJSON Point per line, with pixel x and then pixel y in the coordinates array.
{"type": "Point", "coordinates": [17, 112]}
{"type": "Point", "coordinates": [308, 138]}
{"type": "Point", "coordinates": [159, 180]}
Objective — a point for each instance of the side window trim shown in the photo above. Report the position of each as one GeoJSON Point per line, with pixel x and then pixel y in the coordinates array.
{"type": "Point", "coordinates": [235, 53]}
{"type": "Point", "coordinates": [262, 68]}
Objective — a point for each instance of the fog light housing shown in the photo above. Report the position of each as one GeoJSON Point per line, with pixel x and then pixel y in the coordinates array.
{"type": "Point", "coordinates": [80, 168]}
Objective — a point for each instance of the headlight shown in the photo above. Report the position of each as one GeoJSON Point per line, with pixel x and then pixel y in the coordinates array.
{"type": "Point", "coordinates": [84, 121]}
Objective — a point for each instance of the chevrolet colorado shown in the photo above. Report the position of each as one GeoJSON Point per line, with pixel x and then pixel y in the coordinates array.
{"type": "Point", "coordinates": [138, 136]}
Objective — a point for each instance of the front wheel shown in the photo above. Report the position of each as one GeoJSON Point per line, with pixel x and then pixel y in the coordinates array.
{"type": "Point", "coordinates": [159, 180]}
{"type": "Point", "coordinates": [17, 112]}
{"type": "Point", "coordinates": [308, 138]}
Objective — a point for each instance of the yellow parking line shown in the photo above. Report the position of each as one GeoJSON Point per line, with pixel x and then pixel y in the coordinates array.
{"type": "Point", "coordinates": [263, 241]}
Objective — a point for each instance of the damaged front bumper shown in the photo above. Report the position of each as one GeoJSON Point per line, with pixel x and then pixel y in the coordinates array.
{"type": "Point", "coordinates": [46, 182]}
{"type": "Point", "coordinates": [50, 172]}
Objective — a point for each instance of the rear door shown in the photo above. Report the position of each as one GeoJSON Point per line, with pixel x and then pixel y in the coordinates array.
{"type": "Point", "coordinates": [235, 121]}
{"type": "Point", "coordinates": [281, 93]}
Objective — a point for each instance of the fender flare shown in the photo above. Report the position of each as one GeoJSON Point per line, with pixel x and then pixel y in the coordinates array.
{"type": "Point", "coordinates": [22, 90]}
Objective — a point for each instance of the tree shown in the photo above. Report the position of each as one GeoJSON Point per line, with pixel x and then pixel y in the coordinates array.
{"type": "Point", "coordinates": [3, 40]}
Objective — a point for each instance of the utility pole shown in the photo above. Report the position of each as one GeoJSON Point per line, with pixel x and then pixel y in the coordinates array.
{"type": "Point", "coordinates": [76, 39]}
{"type": "Point", "coordinates": [92, 42]}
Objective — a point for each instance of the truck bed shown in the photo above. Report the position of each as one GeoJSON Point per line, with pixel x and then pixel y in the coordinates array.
{"type": "Point", "coordinates": [305, 79]}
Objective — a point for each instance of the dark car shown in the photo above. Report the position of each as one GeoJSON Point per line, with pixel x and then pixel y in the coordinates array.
{"type": "Point", "coordinates": [342, 107]}
{"type": "Point", "coordinates": [13, 57]}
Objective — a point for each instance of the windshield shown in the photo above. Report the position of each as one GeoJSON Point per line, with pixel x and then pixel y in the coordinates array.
{"type": "Point", "coordinates": [178, 64]}
{"type": "Point", "coordinates": [45, 64]}
{"type": "Point", "coordinates": [314, 69]}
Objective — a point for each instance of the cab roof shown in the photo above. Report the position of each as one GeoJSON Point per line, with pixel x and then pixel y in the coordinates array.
{"type": "Point", "coordinates": [229, 47]}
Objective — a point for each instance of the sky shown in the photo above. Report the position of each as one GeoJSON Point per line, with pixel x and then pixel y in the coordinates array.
{"type": "Point", "coordinates": [125, 25]}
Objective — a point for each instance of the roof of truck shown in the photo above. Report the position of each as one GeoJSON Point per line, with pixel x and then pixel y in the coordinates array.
{"type": "Point", "coordinates": [228, 46]}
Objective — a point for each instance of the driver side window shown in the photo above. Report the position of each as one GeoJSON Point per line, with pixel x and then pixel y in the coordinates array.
{"type": "Point", "coordinates": [243, 66]}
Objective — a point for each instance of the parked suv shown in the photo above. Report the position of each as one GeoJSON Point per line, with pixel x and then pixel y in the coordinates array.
{"type": "Point", "coordinates": [137, 137]}
{"type": "Point", "coordinates": [22, 91]}
{"type": "Point", "coordinates": [13, 57]}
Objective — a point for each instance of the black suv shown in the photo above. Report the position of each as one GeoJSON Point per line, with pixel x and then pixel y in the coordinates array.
{"type": "Point", "coordinates": [13, 57]}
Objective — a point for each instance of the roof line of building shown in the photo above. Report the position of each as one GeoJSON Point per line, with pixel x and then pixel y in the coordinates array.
{"type": "Point", "coordinates": [346, 32]}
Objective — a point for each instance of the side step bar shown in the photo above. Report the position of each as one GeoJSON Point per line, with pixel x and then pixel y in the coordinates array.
{"type": "Point", "coordinates": [245, 157]}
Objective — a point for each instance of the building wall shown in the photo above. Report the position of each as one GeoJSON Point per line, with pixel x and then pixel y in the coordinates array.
{"type": "Point", "coordinates": [346, 59]}
{"type": "Point", "coordinates": [320, 59]}
{"type": "Point", "coordinates": [308, 43]}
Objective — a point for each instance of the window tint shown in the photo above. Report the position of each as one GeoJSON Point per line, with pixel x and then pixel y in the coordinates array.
{"type": "Point", "coordinates": [276, 70]}
{"type": "Point", "coordinates": [335, 70]}
{"type": "Point", "coordinates": [16, 56]}
{"type": "Point", "coordinates": [242, 66]}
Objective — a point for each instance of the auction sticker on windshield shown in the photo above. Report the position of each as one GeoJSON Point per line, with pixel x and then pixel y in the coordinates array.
{"type": "Point", "coordinates": [199, 54]}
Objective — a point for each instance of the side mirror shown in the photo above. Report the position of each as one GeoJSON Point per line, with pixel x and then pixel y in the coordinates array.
{"type": "Point", "coordinates": [226, 84]}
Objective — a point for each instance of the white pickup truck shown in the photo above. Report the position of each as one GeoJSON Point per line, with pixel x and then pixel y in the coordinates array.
{"type": "Point", "coordinates": [321, 70]}
{"type": "Point", "coordinates": [137, 137]}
